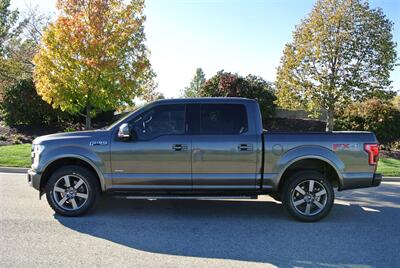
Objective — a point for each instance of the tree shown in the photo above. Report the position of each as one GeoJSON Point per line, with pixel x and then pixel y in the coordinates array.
{"type": "Point", "coordinates": [396, 102]}
{"type": "Point", "coordinates": [25, 46]}
{"type": "Point", "coordinates": [8, 21]}
{"type": "Point", "coordinates": [193, 90]}
{"type": "Point", "coordinates": [150, 93]}
{"type": "Point", "coordinates": [376, 115]}
{"type": "Point", "coordinates": [263, 92]}
{"type": "Point", "coordinates": [225, 84]}
{"type": "Point", "coordinates": [343, 51]}
{"type": "Point", "coordinates": [19, 36]}
{"type": "Point", "coordinates": [93, 57]}
{"type": "Point", "coordinates": [10, 29]}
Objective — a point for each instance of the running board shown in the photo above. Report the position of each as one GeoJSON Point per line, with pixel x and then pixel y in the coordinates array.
{"type": "Point", "coordinates": [184, 197]}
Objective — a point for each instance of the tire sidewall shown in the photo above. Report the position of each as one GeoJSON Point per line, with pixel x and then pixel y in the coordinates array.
{"type": "Point", "coordinates": [299, 177]}
{"type": "Point", "coordinates": [87, 176]}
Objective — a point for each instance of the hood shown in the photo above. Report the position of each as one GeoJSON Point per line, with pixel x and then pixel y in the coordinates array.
{"type": "Point", "coordinates": [67, 136]}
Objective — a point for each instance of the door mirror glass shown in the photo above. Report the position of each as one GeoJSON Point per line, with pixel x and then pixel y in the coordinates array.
{"type": "Point", "coordinates": [124, 132]}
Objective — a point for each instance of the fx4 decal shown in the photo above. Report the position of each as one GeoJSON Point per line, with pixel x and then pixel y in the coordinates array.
{"type": "Point", "coordinates": [345, 146]}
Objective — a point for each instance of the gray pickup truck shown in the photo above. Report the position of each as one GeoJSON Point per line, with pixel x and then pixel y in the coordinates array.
{"type": "Point", "coordinates": [203, 148]}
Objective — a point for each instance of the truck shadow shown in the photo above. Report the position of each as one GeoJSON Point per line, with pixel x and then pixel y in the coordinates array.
{"type": "Point", "coordinates": [256, 231]}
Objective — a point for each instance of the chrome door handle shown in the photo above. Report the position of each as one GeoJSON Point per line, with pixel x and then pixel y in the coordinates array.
{"type": "Point", "coordinates": [179, 147]}
{"type": "Point", "coordinates": [245, 147]}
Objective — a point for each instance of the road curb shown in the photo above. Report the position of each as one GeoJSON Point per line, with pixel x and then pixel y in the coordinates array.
{"type": "Point", "coordinates": [13, 170]}
{"type": "Point", "coordinates": [391, 179]}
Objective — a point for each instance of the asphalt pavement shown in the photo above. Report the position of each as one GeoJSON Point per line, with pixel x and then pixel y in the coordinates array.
{"type": "Point", "coordinates": [362, 230]}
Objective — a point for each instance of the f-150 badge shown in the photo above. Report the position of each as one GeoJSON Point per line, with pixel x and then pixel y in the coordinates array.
{"type": "Point", "coordinates": [93, 143]}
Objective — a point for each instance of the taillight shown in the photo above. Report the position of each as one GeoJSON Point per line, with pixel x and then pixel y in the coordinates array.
{"type": "Point", "coordinates": [373, 153]}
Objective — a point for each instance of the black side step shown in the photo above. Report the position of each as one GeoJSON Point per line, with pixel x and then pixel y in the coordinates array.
{"type": "Point", "coordinates": [156, 197]}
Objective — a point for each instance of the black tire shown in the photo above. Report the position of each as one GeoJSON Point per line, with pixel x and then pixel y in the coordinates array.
{"type": "Point", "coordinates": [306, 205]}
{"type": "Point", "coordinates": [89, 188]}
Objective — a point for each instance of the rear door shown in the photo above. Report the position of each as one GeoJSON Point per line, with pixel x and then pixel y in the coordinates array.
{"type": "Point", "coordinates": [224, 154]}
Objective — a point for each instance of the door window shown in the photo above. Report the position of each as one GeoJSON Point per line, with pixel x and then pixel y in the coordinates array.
{"type": "Point", "coordinates": [158, 121]}
{"type": "Point", "coordinates": [223, 119]}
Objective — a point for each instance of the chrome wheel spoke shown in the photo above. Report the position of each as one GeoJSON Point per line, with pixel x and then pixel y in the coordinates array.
{"type": "Point", "coordinates": [299, 202]}
{"type": "Point", "coordinates": [308, 208]}
{"type": "Point", "coordinates": [320, 193]}
{"type": "Point", "coordinates": [301, 191]}
{"type": "Point", "coordinates": [78, 184]}
{"type": "Point", "coordinates": [318, 204]}
{"type": "Point", "coordinates": [81, 195]}
{"type": "Point", "coordinates": [62, 201]}
{"type": "Point", "coordinates": [59, 189]}
{"type": "Point", "coordinates": [67, 181]}
{"type": "Point", "coordinates": [73, 203]}
{"type": "Point", "coordinates": [311, 186]}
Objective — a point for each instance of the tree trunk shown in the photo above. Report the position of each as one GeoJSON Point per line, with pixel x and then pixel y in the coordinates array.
{"type": "Point", "coordinates": [329, 119]}
{"type": "Point", "coordinates": [88, 124]}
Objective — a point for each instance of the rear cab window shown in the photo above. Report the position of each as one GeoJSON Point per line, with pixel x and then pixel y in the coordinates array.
{"type": "Point", "coordinates": [217, 119]}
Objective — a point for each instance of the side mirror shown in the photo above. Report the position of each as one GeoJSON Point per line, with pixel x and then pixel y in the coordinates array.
{"type": "Point", "coordinates": [124, 132]}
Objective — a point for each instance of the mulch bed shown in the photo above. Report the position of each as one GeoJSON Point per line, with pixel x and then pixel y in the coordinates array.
{"type": "Point", "coordinates": [16, 135]}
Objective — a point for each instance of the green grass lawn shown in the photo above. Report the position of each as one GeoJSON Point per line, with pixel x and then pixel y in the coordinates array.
{"type": "Point", "coordinates": [15, 155]}
{"type": "Point", "coordinates": [389, 167]}
{"type": "Point", "coordinates": [20, 156]}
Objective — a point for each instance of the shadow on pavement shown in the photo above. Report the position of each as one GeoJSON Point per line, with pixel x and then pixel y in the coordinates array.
{"type": "Point", "coordinates": [252, 231]}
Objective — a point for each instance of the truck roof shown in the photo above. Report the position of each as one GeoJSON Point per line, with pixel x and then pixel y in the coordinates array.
{"type": "Point", "coordinates": [205, 100]}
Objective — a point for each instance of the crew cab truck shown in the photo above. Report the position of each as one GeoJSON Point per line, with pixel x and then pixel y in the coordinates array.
{"type": "Point", "coordinates": [201, 148]}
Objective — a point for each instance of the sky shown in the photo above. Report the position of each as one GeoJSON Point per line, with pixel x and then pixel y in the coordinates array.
{"type": "Point", "coordinates": [239, 36]}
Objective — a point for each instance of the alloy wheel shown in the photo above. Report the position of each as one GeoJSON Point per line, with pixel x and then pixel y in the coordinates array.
{"type": "Point", "coordinates": [309, 197]}
{"type": "Point", "coordinates": [70, 192]}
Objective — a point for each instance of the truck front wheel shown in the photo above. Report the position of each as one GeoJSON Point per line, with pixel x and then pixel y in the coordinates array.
{"type": "Point", "coordinates": [308, 196]}
{"type": "Point", "coordinates": [72, 190]}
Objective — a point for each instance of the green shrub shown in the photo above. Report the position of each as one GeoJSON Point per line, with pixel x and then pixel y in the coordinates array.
{"type": "Point", "coordinates": [21, 105]}
{"type": "Point", "coordinates": [378, 116]}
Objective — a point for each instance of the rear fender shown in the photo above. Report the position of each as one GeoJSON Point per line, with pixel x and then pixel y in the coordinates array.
{"type": "Point", "coordinates": [309, 152]}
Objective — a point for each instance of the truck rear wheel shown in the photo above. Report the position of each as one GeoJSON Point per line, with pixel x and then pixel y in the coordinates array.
{"type": "Point", "coordinates": [308, 196]}
{"type": "Point", "coordinates": [72, 190]}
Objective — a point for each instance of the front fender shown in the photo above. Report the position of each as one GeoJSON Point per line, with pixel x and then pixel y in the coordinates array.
{"type": "Point", "coordinates": [69, 151]}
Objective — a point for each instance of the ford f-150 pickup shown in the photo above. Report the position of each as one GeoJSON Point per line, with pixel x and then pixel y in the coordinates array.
{"type": "Point", "coordinates": [201, 148]}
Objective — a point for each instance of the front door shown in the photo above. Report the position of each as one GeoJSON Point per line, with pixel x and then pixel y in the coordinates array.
{"type": "Point", "coordinates": [224, 153]}
{"type": "Point", "coordinates": [159, 157]}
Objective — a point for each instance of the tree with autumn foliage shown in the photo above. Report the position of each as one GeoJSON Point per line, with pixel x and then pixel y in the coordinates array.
{"type": "Point", "coordinates": [226, 84]}
{"type": "Point", "coordinates": [342, 52]}
{"type": "Point", "coordinates": [93, 57]}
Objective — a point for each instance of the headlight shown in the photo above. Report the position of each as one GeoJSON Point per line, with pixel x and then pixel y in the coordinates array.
{"type": "Point", "coordinates": [37, 149]}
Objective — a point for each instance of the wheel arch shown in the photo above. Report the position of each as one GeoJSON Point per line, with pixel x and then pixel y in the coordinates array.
{"type": "Point", "coordinates": [65, 160]}
{"type": "Point", "coordinates": [311, 163]}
